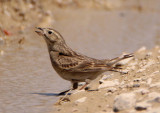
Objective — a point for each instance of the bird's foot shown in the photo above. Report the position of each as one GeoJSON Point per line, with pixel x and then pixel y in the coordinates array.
{"type": "Point", "coordinates": [64, 98]}
{"type": "Point", "coordinates": [121, 72]}
{"type": "Point", "coordinates": [63, 92]}
{"type": "Point", "coordinates": [89, 89]}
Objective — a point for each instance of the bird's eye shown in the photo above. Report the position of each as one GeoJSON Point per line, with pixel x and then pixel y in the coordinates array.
{"type": "Point", "coordinates": [49, 32]}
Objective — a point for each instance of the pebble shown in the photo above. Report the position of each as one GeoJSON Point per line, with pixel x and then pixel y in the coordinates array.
{"type": "Point", "coordinates": [137, 80]}
{"type": "Point", "coordinates": [104, 77]}
{"type": "Point", "coordinates": [125, 61]}
{"type": "Point", "coordinates": [111, 89]}
{"type": "Point", "coordinates": [157, 100]}
{"type": "Point", "coordinates": [155, 72]}
{"type": "Point", "coordinates": [142, 91]}
{"type": "Point", "coordinates": [149, 53]}
{"type": "Point", "coordinates": [146, 66]}
{"type": "Point", "coordinates": [158, 57]}
{"type": "Point", "coordinates": [131, 85]}
{"type": "Point", "coordinates": [136, 85]}
{"type": "Point", "coordinates": [155, 85]}
{"type": "Point", "coordinates": [141, 49]}
{"type": "Point", "coordinates": [154, 97]}
{"type": "Point", "coordinates": [124, 101]}
{"type": "Point", "coordinates": [109, 84]}
{"type": "Point", "coordinates": [83, 99]}
{"type": "Point", "coordinates": [149, 81]}
{"type": "Point", "coordinates": [142, 106]}
{"type": "Point", "coordinates": [74, 110]}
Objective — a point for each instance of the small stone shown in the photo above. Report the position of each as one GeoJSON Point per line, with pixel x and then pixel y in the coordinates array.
{"type": "Point", "coordinates": [107, 94]}
{"type": "Point", "coordinates": [157, 99]}
{"type": "Point", "coordinates": [151, 62]}
{"type": "Point", "coordinates": [83, 99]}
{"type": "Point", "coordinates": [149, 54]}
{"type": "Point", "coordinates": [81, 83]}
{"type": "Point", "coordinates": [125, 61]}
{"type": "Point", "coordinates": [153, 95]}
{"type": "Point", "coordinates": [112, 89]}
{"type": "Point", "coordinates": [141, 49]}
{"type": "Point", "coordinates": [155, 85]}
{"type": "Point", "coordinates": [66, 99]}
{"type": "Point", "coordinates": [149, 81]}
{"type": "Point", "coordinates": [124, 71]}
{"type": "Point", "coordinates": [142, 106]}
{"type": "Point", "coordinates": [155, 72]}
{"type": "Point", "coordinates": [124, 101]}
{"type": "Point", "coordinates": [142, 91]}
{"type": "Point", "coordinates": [136, 85]}
{"type": "Point", "coordinates": [58, 109]}
{"type": "Point", "coordinates": [129, 85]}
{"type": "Point", "coordinates": [140, 70]}
{"type": "Point", "coordinates": [158, 57]}
{"type": "Point", "coordinates": [104, 77]}
{"type": "Point", "coordinates": [74, 110]}
{"type": "Point", "coordinates": [109, 84]}
{"type": "Point", "coordinates": [137, 80]}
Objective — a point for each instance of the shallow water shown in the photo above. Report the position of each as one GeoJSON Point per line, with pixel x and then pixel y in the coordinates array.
{"type": "Point", "coordinates": [27, 81]}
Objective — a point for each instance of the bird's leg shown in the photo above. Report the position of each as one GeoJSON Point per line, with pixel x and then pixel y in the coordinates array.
{"type": "Point", "coordinates": [87, 82]}
{"type": "Point", "coordinates": [84, 86]}
{"type": "Point", "coordinates": [75, 86]}
{"type": "Point", "coordinates": [63, 98]}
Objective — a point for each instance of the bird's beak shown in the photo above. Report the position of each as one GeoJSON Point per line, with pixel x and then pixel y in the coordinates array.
{"type": "Point", "coordinates": [39, 31]}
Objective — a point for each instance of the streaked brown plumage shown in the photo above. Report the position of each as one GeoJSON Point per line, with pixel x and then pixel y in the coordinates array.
{"type": "Point", "coordinates": [71, 65]}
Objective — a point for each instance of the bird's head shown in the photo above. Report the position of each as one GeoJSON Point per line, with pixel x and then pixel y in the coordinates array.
{"type": "Point", "coordinates": [49, 34]}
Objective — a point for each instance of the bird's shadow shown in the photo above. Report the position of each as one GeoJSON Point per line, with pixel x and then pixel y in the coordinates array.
{"type": "Point", "coordinates": [50, 94]}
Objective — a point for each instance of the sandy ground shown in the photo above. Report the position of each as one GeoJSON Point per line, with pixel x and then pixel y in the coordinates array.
{"type": "Point", "coordinates": [134, 92]}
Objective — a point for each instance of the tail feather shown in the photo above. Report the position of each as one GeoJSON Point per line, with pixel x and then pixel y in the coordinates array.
{"type": "Point", "coordinates": [117, 59]}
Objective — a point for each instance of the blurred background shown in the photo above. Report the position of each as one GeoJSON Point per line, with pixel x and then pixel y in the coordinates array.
{"type": "Point", "coordinates": [97, 28]}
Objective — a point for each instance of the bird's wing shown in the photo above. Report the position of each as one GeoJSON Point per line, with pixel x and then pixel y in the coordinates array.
{"type": "Point", "coordinates": [80, 64]}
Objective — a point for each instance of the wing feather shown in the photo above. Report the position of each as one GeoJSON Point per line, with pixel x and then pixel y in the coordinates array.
{"type": "Point", "coordinates": [80, 64]}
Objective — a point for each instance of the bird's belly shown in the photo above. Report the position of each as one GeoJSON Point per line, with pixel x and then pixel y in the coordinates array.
{"type": "Point", "coordinates": [79, 76]}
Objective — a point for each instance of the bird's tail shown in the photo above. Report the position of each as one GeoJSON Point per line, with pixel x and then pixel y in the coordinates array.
{"type": "Point", "coordinates": [117, 59]}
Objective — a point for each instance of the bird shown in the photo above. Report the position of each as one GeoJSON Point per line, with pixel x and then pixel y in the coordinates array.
{"type": "Point", "coordinates": [71, 65]}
